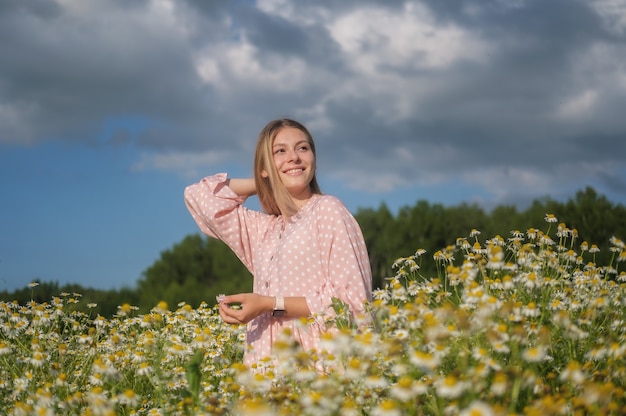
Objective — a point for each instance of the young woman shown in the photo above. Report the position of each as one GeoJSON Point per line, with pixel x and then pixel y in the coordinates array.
{"type": "Point", "coordinates": [303, 251]}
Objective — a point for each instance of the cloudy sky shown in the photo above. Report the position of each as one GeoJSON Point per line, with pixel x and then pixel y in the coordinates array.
{"type": "Point", "coordinates": [109, 108]}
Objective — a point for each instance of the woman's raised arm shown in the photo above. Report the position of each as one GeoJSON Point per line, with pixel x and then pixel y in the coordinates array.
{"type": "Point", "coordinates": [242, 187]}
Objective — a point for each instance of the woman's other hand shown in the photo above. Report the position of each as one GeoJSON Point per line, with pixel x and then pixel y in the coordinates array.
{"type": "Point", "coordinates": [244, 307]}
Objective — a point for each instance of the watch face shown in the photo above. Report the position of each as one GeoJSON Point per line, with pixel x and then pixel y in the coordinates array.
{"type": "Point", "coordinates": [278, 313]}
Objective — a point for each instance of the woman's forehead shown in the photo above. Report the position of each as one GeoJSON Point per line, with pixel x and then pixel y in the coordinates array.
{"type": "Point", "coordinates": [289, 135]}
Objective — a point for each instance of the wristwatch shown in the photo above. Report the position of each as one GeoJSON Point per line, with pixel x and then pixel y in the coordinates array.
{"type": "Point", "coordinates": [279, 307]}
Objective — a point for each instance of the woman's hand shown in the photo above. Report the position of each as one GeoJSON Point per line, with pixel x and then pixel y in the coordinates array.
{"type": "Point", "coordinates": [244, 307]}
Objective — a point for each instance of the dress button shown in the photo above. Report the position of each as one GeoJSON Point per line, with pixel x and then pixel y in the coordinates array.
{"type": "Point", "coordinates": [267, 284]}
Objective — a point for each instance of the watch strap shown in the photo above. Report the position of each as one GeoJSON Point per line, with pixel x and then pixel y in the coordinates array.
{"type": "Point", "coordinates": [279, 306]}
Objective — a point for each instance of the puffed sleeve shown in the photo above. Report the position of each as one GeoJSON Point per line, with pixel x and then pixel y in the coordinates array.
{"type": "Point", "coordinates": [344, 258]}
{"type": "Point", "coordinates": [219, 212]}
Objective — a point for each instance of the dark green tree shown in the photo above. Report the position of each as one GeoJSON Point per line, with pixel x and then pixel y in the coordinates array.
{"type": "Point", "coordinates": [381, 239]}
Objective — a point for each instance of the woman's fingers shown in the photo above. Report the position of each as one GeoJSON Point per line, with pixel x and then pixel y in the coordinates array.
{"type": "Point", "coordinates": [232, 316]}
{"type": "Point", "coordinates": [236, 298]}
{"type": "Point", "coordinates": [230, 319]}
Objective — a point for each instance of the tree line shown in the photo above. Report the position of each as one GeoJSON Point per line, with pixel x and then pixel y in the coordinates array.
{"type": "Point", "coordinates": [198, 268]}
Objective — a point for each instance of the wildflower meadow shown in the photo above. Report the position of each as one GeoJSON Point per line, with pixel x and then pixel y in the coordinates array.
{"type": "Point", "coordinates": [526, 324]}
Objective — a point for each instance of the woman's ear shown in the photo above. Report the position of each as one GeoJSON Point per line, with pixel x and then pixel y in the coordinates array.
{"type": "Point", "coordinates": [264, 174]}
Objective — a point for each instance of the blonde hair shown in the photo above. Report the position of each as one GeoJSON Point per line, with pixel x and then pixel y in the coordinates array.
{"type": "Point", "coordinates": [273, 195]}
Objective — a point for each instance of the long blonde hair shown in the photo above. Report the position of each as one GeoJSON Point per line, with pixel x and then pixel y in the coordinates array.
{"type": "Point", "coordinates": [273, 195]}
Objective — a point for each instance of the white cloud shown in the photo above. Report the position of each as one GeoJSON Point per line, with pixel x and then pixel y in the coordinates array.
{"type": "Point", "coordinates": [579, 106]}
{"type": "Point", "coordinates": [377, 39]}
{"type": "Point", "coordinates": [187, 165]}
{"type": "Point", "coordinates": [14, 126]}
{"type": "Point", "coordinates": [507, 183]}
{"type": "Point", "coordinates": [373, 183]}
{"type": "Point", "coordinates": [613, 13]}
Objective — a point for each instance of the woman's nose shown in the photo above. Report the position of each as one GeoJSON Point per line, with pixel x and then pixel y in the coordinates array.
{"type": "Point", "coordinates": [294, 156]}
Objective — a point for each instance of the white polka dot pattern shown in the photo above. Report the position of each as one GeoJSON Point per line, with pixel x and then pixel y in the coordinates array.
{"type": "Point", "coordinates": [319, 254]}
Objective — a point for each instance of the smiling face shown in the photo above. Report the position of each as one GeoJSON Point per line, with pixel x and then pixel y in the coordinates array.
{"type": "Point", "coordinates": [295, 163]}
{"type": "Point", "coordinates": [284, 167]}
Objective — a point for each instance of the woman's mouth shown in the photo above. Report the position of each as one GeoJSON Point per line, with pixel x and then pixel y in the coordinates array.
{"type": "Point", "coordinates": [294, 171]}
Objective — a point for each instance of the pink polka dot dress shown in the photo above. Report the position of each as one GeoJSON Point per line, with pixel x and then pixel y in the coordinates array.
{"type": "Point", "coordinates": [319, 253]}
